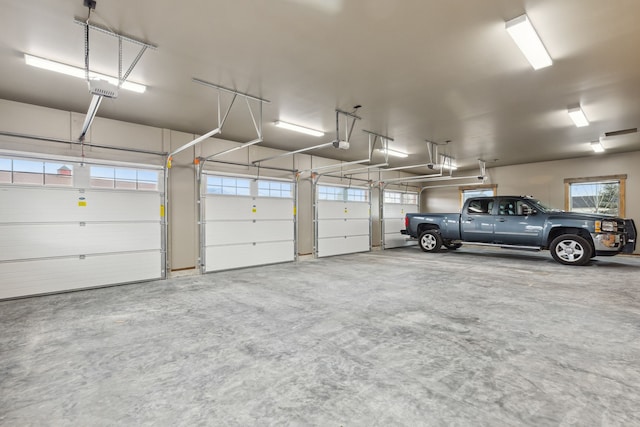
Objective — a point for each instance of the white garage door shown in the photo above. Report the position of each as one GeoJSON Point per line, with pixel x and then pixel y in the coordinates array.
{"type": "Point", "coordinates": [247, 222]}
{"type": "Point", "coordinates": [56, 236]}
{"type": "Point", "coordinates": [395, 205]}
{"type": "Point", "coordinates": [343, 220]}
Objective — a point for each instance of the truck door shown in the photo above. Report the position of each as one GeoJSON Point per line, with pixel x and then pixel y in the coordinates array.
{"type": "Point", "coordinates": [515, 223]}
{"type": "Point", "coordinates": [477, 222]}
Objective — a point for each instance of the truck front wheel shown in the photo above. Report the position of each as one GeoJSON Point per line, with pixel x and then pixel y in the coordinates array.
{"type": "Point", "coordinates": [430, 241]}
{"type": "Point", "coordinates": [571, 249]}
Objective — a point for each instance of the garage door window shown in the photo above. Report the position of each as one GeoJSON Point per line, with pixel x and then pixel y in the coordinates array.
{"type": "Point", "coordinates": [330, 193]}
{"type": "Point", "coordinates": [410, 198]}
{"type": "Point", "coordinates": [274, 189]}
{"type": "Point", "coordinates": [392, 197]}
{"type": "Point", "coordinates": [124, 178]}
{"type": "Point", "coordinates": [357, 195]}
{"type": "Point", "coordinates": [342, 194]}
{"type": "Point", "coordinates": [34, 172]}
{"type": "Point", "coordinates": [229, 186]}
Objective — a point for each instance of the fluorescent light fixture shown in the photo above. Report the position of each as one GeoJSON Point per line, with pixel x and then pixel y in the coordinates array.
{"type": "Point", "coordinates": [578, 117]}
{"type": "Point", "coordinates": [393, 153]}
{"type": "Point", "coordinates": [70, 70]}
{"type": "Point", "coordinates": [525, 36]}
{"type": "Point", "coordinates": [297, 128]}
{"type": "Point", "coordinates": [597, 147]}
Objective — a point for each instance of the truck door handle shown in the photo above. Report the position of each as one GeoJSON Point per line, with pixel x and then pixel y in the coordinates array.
{"type": "Point", "coordinates": [469, 219]}
{"type": "Point", "coordinates": [501, 220]}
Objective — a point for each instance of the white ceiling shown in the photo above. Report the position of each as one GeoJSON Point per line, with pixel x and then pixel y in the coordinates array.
{"type": "Point", "coordinates": [421, 69]}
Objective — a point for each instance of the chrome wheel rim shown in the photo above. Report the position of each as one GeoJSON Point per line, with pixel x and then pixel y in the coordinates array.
{"type": "Point", "coordinates": [569, 250]}
{"type": "Point", "coordinates": [428, 241]}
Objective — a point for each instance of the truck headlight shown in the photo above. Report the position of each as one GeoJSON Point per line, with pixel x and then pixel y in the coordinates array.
{"type": "Point", "coordinates": [609, 226]}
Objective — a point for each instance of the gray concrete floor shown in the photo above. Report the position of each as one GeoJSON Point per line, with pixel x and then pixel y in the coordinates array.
{"type": "Point", "coordinates": [477, 337]}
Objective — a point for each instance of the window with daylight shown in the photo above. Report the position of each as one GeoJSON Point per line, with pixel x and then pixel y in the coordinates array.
{"type": "Point", "coordinates": [392, 197]}
{"type": "Point", "coordinates": [124, 178]}
{"type": "Point", "coordinates": [330, 193]}
{"type": "Point", "coordinates": [275, 189]}
{"type": "Point", "coordinates": [228, 186]}
{"type": "Point", "coordinates": [603, 195]}
{"type": "Point", "coordinates": [35, 172]}
{"type": "Point", "coordinates": [476, 191]}
{"type": "Point", "coordinates": [357, 195]}
{"type": "Point", "coordinates": [410, 198]}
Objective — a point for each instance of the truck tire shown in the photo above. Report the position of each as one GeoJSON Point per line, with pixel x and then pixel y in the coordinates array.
{"type": "Point", "coordinates": [430, 241]}
{"type": "Point", "coordinates": [571, 249]}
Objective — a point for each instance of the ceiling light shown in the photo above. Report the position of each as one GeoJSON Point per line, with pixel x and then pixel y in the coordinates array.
{"type": "Point", "coordinates": [71, 70]}
{"type": "Point", "coordinates": [597, 147]}
{"type": "Point", "coordinates": [525, 36]}
{"type": "Point", "coordinates": [297, 128]}
{"type": "Point", "coordinates": [578, 117]}
{"type": "Point", "coordinates": [393, 153]}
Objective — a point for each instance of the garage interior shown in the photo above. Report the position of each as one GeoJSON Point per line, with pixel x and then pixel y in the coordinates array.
{"type": "Point", "coordinates": [172, 252]}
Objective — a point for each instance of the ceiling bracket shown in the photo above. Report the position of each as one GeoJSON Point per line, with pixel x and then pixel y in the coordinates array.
{"type": "Point", "coordinates": [99, 89]}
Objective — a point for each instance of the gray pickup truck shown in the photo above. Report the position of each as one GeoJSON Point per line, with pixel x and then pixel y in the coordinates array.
{"type": "Point", "coordinates": [520, 222]}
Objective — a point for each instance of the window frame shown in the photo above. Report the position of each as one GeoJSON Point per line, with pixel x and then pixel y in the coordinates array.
{"type": "Point", "coordinates": [346, 194]}
{"type": "Point", "coordinates": [44, 176]}
{"type": "Point", "coordinates": [622, 183]}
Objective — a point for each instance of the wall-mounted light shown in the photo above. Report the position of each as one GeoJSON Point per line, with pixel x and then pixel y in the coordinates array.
{"type": "Point", "coordinates": [73, 71]}
{"type": "Point", "coordinates": [522, 32]}
{"type": "Point", "coordinates": [393, 153]}
{"type": "Point", "coordinates": [297, 128]}
{"type": "Point", "coordinates": [578, 116]}
{"type": "Point", "coordinates": [597, 147]}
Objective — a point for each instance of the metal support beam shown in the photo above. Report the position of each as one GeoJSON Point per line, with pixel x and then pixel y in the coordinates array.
{"type": "Point", "coordinates": [225, 89]}
{"type": "Point", "coordinates": [364, 169]}
{"type": "Point", "coordinates": [108, 32]}
{"type": "Point", "coordinates": [222, 120]}
{"type": "Point", "coordinates": [97, 99]}
{"type": "Point", "coordinates": [289, 153]}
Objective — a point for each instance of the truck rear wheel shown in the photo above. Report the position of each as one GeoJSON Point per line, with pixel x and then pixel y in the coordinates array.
{"type": "Point", "coordinates": [571, 249]}
{"type": "Point", "coordinates": [430, 241]}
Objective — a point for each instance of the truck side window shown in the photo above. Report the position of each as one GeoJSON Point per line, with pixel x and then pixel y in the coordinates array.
{"type": "Point", "coordinates": [479, 207]}
{"type": "Point", "coordinates": [507, 207]}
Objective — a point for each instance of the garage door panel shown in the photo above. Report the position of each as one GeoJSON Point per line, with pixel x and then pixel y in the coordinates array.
{"type": "Point", "coordinates": [23, 204]}
{"type": "Point", "coordinates": [342, 245]}
{"type": "Point", "coordinates": [34, 277]}
{"type": "Point", "coordinates": [243, 231]}
{"type": "Point", "coordinates": [340, 227]}
{"type": "Point", "coordinates": [230, 232]}
{"type": "Point", "coordinates": [273, 208]}
{"type": "Point", "coordinates": [49, 240]}
{"type": "Point", "coordinates": [228, 208]}
{"type": "Point", "coordinates": [394, 214]}
{"type": "Point", "coordinates": [358, 210]}
{"type": "Point", "coordinates": [398, 210]}
{"type": "Point", "coordinates": [246, 255]}
{"type": "Point", "coordinates": [333, 210]}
